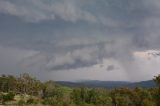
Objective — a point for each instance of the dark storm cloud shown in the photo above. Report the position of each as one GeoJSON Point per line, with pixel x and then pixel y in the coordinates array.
{"type": "Point", "coordinates": [73, 34]}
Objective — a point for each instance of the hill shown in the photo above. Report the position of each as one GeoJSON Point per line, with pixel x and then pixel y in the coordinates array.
{"type": "Point", "coordinates": [108, 84]}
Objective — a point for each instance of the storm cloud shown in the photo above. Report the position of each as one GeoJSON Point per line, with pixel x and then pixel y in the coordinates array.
{"type": "Point", "coordinates": [71, 39]}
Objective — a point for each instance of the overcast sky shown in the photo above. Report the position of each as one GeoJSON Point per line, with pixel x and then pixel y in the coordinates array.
{"type": "Point", "coordinates": [79, 39]}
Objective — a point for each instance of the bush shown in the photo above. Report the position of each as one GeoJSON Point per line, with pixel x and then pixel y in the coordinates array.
{"type": "Point", "coordinates": [147, 102]}
{"type": "Point", "coordinates": [49, 101]}
{"type": "Point", "coordinates": [7, 97]}
{"type": "Point", "coordinates": [53, 101]}
{"type": "Point", "coordinates": [21, 102]}
{"type": "Point", "coordinates": [30, 101]}
{"type": "Point", "coordinates": [1, 96]}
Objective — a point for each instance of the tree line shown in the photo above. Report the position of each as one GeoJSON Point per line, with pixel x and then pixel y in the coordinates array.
{"type": "Point", "coordinates": [51, 94]}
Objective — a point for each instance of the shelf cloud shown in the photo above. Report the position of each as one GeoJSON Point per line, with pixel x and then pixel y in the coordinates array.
{"type": "Point", "coordinates": [72, 40]}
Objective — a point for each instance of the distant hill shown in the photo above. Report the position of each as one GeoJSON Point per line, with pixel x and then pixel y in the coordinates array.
{"type": "Point", "coordinates": [108, 84]}
{"type": "Point", "coordinates": [143, 84]}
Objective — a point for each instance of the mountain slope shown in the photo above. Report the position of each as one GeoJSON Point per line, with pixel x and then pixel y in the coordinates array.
{"type": "Point", "coordinates": [108, 84]}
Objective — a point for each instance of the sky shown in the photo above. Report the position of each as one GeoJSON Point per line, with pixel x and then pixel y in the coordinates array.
{"type": "Point", "coordinates": [73, 40]}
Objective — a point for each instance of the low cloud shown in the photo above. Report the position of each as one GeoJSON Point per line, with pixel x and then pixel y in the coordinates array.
{"type": "Point", "coordinates": [110, 68]}
{"type": "Point", "coordinates": [65, 38]}
{"type": "Point", "coordinates": [76, 59]}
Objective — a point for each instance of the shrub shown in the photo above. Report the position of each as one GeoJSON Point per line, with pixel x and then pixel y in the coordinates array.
{"type": "Point", "coordinates": [21, 102]}
{"type": "Point", "coordinates": [50, 101]}
{"type": "Point", "coordinates": [147, 102]}
{"type": "Point", "coordinates": [1, 96]}
{"type": "Point", "coordinates": [7, 97]}
{"type": "Point", "coordinates": [32, 100]}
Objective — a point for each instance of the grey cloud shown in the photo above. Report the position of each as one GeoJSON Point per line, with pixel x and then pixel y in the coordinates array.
{"type": "Point", "coordinates": [69, 60]}
{"type": "Point", "coordinates": [80, 56]}
{"type": "Point", "coordinates": [108, 13]}
{"type": "Point", "coordinates": [39, 10]}
{"type": "Point", "coordinates": [110, 68]}
{"type": "Point", "coordinates": [72, 35]}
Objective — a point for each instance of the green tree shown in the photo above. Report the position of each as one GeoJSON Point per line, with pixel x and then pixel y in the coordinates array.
{"type": "Point", "coordinates": [157, 92]}
{"type": "Point", "coordinates": [147, 102]}
{"type": "Point", "coordinates": [157, 80]}
{"type": "Point", "coordinates": [121, 101]}
{"type": "Point", "coordinates": [7, 83]}
{"type": "Point", "coordinates": [76, 96]}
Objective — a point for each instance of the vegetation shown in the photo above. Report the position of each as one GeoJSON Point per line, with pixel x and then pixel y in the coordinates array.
{"type": "Point", "coordinates": [27, 91]}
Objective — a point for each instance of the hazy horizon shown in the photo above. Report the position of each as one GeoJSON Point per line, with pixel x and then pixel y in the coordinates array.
{"type": "Point", "coordinates": [70, 40]}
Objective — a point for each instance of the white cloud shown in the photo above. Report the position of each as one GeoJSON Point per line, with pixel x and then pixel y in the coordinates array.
{"type": "Point", "coordinates": [144, 66]}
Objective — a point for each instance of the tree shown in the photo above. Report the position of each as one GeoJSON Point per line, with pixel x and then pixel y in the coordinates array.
{"type": "Point", "coordinates": [48, 89]}
{"type": "Point", "coordinates": [147, 102]}
{"type": "Point", "coordinates": [104, 101]}
{"type": "Point", "coordinates": [93, 94]}
{"type": "Point", "coordinates": [157, 94]}
{"type": "Point", "coordinates": [121, 101]}
{"type": "Point", "coordinates": [7, 83]}
{"type": "Point", "coordinates": [76, 96]}
{"type": "Point", "coordinates": [28, 85]}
